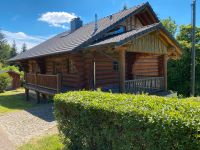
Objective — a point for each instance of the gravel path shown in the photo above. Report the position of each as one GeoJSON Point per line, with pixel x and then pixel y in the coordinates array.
{"type": "Point", "coordinates": [24, 125]}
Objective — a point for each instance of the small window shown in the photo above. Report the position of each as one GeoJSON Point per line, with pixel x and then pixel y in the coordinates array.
{"type": "Point", "coordinates": [71, 66]}
{"type": "Point", "coordinates": [116, 31]}
{"type": "Point", "coordinates": [115, 66]}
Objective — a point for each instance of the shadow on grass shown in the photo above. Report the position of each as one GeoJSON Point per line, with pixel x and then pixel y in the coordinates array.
{"type": "Point", "coordinates": [12, 102]}
{"type": "Point", "coordinates": [15, 101]}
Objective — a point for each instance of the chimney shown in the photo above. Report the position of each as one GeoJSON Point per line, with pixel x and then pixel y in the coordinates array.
{"type": "Point", "coordinates": [76, 23]}
{"type": "Point", "coordinates": [96, 25]}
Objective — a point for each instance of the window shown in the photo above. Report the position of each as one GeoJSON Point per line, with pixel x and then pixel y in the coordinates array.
{"type": "Point", "coordinates": [115, 66]}
{"type": "Point", "coordinates": [71, 66]}
{"type": "Point", "coordinates": [116, 31]}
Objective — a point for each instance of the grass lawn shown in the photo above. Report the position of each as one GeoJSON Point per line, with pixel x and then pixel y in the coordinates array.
{"type": "Point", "coordinates": [51, 142]}
{"type": "Point", "coordinates": [13, 101]}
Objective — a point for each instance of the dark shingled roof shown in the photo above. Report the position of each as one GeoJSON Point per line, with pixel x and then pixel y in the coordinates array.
{"type": "Point", "coordinates": [126, 37]}
{"type": "Point", "coordinates": [80, 38]}
{"type": "Point", "coordinates": [120, 39]}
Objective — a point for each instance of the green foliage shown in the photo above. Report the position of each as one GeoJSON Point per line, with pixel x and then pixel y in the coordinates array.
{"type": "Point", "coordinates": [15, 69]}
{"type": "Point", "coordinates": [51, 142]}
{"type": "Point", "coordinates": [97, 120]}
{"type": "Point", "coordinates": [179, 70]}
{"type": "Point", "coordinates": [5, 81]}
{"type": "Point", "coordinates": [5, 50]}
{"type": "Point", "coordinates": [170, 25]}
{"type": "Point", "coordinates": [11, 68]}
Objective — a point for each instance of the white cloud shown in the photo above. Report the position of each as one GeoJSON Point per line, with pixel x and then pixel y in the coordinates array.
{"type": "Point", "coordinates": [21, 37]}
{"type": "Point", "coordinates": [57, 19]}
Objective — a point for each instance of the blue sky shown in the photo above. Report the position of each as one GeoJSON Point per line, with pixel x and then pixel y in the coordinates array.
{"type": "Point", "coordinates": [33, 21]}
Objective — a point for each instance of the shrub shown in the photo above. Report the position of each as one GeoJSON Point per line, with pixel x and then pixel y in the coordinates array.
{"type": "Point", "coordinates": [17, 70]}
{"type": "Point", "coordinates": [5, 81]}
{"type": "Point", "coordinates": [106, 121]}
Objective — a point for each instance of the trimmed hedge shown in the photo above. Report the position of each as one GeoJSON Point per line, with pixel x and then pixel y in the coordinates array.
{"type": "Point", "coordinates": [106, 121]}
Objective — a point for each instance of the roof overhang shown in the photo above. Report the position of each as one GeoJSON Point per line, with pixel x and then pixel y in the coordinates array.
{"type": "Point", "coordinates": [174, 48]}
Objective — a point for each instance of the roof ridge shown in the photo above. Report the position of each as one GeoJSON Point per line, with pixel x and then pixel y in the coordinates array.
{"type": "Point", "coordinates": [137, 6]}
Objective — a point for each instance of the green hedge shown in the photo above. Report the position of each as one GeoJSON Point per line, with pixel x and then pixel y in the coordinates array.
{"type": "Point", "coordinates": [105, 121]}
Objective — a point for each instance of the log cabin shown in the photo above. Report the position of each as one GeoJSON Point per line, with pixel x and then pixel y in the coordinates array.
{"type": "Point", "coordinates": [123, 52]}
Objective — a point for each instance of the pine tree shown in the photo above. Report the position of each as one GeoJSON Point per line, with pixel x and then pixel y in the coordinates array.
{"type": "Point", "coordinates": [24, 47]}
{"type": "Point", "coordinates": [13, 52]}
{"type": "Point", "coordinates": [2, 38]}
{"type": "Point", "coordinates": [5, 50]}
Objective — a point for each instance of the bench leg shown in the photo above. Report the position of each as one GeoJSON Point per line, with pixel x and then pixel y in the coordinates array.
{"type": "Point", "coordinates": [27, 94]}
{"type": "Point", "coordinates": [38, 96]}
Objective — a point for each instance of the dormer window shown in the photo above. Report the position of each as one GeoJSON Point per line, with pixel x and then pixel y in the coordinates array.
{"type": "Point", "coordinates": [116, 31]}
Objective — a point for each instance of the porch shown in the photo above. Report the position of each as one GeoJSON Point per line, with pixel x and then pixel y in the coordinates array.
{"type": "Point", "coordinates": [42, 84]}
{"type": "Point", "coordinates": [52, 84]}
{"type": "Point", "coordinates": [147, 85]}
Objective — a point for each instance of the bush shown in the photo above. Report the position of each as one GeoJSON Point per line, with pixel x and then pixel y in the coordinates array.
{"type": "Point", "coordinates": [106, 121]}
{"type": "Point", "coordinates": [5, 81]}
{"type": "Point", "coordinates": [17, 70]}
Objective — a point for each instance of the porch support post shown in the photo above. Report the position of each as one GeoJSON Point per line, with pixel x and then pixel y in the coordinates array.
{"type": "Point", "coordinates": [122, 67]}
{"type": "Point", "coordinates": [165, 59]}
{"type": "Point", "coordinates": [27, 94]}
{"type": "Point", "coordinates": [38, 96]}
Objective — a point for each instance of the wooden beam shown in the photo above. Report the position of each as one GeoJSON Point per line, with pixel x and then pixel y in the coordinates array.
{"type": "Point", "coordinates": [27, 94]}
{"type": "Point", "coordinates": [122, 70]}
{"type": "Point", "coordinates": [38, 96]}
{"type": "Point", "coordinates": [165, 59]}
{"type": "Point", "coordinates": [170, 42]}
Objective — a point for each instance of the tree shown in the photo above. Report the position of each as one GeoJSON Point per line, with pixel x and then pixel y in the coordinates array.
{"type": "Point", "coordinates": [179, 70]}
{"type": "Point", "coordinates": [2, 39]}
{"type": "Point", "coordinates": [5, 50]}
{"type": "Point", "coordinates": [24, 47]}
{"type": "Point", "coordinates": [13, 50]}
{"type": "Point", "coordinates": [170, 25]}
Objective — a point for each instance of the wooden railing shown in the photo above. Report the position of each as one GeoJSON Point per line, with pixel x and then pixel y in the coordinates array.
{"type": "Point", "coordinates": [149, 84]}
{"type": "Point", "coordinates": [51, 82]}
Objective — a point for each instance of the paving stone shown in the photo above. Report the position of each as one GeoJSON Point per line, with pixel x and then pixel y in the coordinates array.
{"type": "Point", "coordinates": [24, 125]}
